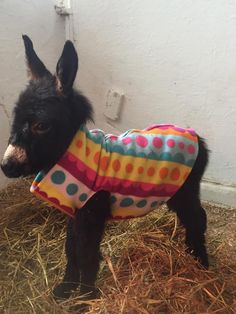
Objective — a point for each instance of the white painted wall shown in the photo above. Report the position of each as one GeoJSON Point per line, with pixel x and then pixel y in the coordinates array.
{"type": "Point", "coordinates": [39, 20]}
{"type": "Point", "coordinates": [175, 61]}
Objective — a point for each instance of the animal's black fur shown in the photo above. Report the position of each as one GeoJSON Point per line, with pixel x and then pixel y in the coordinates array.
{"type": "Point", "coordinates": [46, 117]}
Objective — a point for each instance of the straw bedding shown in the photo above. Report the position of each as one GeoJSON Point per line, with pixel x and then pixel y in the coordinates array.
{"type": "Point", "coordinates": [145, 267]}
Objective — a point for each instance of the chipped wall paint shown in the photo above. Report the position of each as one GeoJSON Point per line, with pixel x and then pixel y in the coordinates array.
{"type": "Point", "coordinates": [175, 61]}
{"type": "Point", "coordinates": [39, 20]}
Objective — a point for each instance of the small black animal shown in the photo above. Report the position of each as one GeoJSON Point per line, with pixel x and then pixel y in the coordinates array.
{"type": "Point", "coordinates": [50, 109]}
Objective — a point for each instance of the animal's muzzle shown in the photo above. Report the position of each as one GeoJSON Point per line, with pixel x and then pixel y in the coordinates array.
{"type": "Point", "coordinates": [14, 162]}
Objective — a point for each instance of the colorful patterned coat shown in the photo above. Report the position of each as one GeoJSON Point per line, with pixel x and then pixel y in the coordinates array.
{"type": "Point", "coordinates": [140, 168]}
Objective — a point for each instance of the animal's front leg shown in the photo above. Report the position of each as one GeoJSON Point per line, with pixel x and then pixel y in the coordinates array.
{"type": "Point", "coordinates": [72, 273]}
{"type": "Point", "coordinates": [90, 223]}
{"type": "Point", "coordinates": [83, 247]}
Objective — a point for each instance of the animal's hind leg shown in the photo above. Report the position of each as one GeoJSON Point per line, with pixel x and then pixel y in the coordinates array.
{"type": "Point", "coordinates": [187, 205]}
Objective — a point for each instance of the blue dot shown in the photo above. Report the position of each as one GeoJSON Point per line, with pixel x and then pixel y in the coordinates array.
{"type": "Point", "coordinates": [83, 197]}
{"type": "Point", "coordinates": [154, 204]}
{"type": "Point", "coordinates": [113, 199]}
{"type": "Point", "coordinates": [126, 202]}
{"type": "Point", "coordinates": [72, 189]}
{"type": "Point", "coordinates": [141, 203]}
{"type": "Point", "coordinates": [58, 177]}
{"type": "Point", "coordinates": [179, 157]}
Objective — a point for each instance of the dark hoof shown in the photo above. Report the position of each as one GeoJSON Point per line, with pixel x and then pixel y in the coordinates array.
{"type": "Point", "coordinates": [64, 290]}
{"type": "Point", "coordinates": [88, 294]}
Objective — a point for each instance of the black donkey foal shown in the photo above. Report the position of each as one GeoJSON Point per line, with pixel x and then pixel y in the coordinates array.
{"type": "Point", "coordinates": [50, 109]}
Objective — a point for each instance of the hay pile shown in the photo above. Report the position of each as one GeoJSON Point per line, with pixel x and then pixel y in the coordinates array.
{"type": "Point", "coordinates": [145, 268]}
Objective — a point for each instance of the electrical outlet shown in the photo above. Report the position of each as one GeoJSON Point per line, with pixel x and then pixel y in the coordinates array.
{"type": "Point", "coordinates": [113, 104]}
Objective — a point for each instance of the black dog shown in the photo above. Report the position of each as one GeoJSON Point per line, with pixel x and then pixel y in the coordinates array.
{"type": "Point", "coordinates": [50, 109]}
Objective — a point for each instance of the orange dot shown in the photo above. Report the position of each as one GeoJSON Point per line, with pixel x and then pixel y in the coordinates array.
{"type": "Point", "coordinates": [87, 151]}
{"type": "Point", "coordinates": [79, 143]}
{"type": "Point", "coordinates": [140, 170]}
{"type": "Point", "coordinates": [129, 168]}
{"type": "Point", "coordinates": [163, 172]}
{"type": "Point", "coordinates": [104, 163]}
{"type": "Point", "coordinates": [96, 157]}
{"type": "Point", "coordinates": [175, 174]}
{"type": "Point", "coordinates": [116, 165]}
{"type": "Point", "coordinates": [150, 171]}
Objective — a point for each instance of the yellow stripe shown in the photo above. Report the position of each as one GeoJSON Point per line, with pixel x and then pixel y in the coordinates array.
{"type": "Point", "coordinates": [55, 193]}
{"type": "Point", "coordinates": [124, 160]}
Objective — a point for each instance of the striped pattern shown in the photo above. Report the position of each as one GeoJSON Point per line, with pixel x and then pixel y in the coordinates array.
{"type": "Point", "coordinates": [140, 168]}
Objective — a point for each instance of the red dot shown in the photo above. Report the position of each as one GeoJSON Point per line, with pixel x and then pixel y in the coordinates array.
{"type": "Point", "coordinates": [113, 137]}
{"type": "Point", "coordinates": [163, 172]}
{"type": "Point", "coordinates": [171, 143]}
{"type": "Point", "coordinates": [79, 143]}
{"type": "Point", "coordinates": [141, 141]}
{"type": "Point", "coordinates": [157, 142]}
{"type": "Point", "coordinates": [96, 157]}
{"type": "Point", "coordinates": [191, 149]}
{"type": "Point", "coordinates": [116, 165]}
{"type": "Point", "coordinates": [129, 168]}
{"type": "Point", "coordinates": [181, 145]}
{"type": "Point", "coordinates": [150, 171]}
{"type": "Point", "coordinates": [87, 151]}
{"type": "Point", "coordinates": [140, 170]}
{"type": "Point", "coordinates": [175, 174]}
{"type": "Point", "coordinates": [127, 140]}
{"type": "Point", "coordinates": [104, 163]}
{"type": "Point", "coordinates": [72, 158]}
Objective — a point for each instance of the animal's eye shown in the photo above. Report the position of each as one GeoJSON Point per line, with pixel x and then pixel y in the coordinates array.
{"type": "Point", "coordinates": [40, 127]}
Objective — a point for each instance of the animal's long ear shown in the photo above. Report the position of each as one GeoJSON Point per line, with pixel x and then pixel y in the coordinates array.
{"type": "Point", "coordinates": [36, 68]}
{"type": "Point", "coordinates": [67, 67]}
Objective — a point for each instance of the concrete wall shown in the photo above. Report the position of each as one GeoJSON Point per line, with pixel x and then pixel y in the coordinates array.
{"type": "Point", "coordinates": [175, 61]}
{"type": "Point", "coordinates": [39, 20]}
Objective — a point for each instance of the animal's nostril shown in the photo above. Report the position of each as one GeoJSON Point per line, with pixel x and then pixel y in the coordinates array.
{"type": "Point", "coordinates": [10, 168]}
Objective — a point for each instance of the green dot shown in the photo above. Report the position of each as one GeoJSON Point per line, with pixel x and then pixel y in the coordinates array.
{"type": "Point", "coordinates": [58, 177]}
{"type": "Point", "coordinates": [154, 204]}
{"type": "Point", "coordinates": [71, 189]}
{"type": "Point", "coordinates": [113, 199]}
{"type": "Point", "coordinates": [126, 202]}
{"type": "Point", "coordinates": [83, 197]}
{"type": "Point", "coordinates": [142, 203]}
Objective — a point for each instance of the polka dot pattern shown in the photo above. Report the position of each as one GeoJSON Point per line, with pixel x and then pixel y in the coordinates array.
{"type": "Point", "coordinates": [104, 163]}
{"type": "Point", "coordinates": [128, 201]}
{"type": "Point", "coordinates": [175, 174]}
{"type": "Point", "coordinates": [171, 143]}
{"type": "Point", "coordinates": [72, 189]}
{"type": "Point", "coordinates": [191, 149]}
{"type": "Point", "coordinates": [116, 165]}
{"type": "Point", "coordinates": [163, 172]}
{"type": "Point", "coordinates": [126, 140]}
{"type": "Point", "coordinates": [141, 203]}
{"type": "Point", "coordinates": [140, 170]}
{"type": "Point", "coordinates": [79, 143]}
{"type": "Point", "coordinates": [157, 142]}
{"type": "Point", "coordinates": [135, 167]}
{"type": "Point", "coordinates": [154, 204]}
{"type": "Point", "coordinates": [141, 141]}
{"type": "Point", "coordinates": [151, 171]}
{"type": "Point", "coordinates": [58, 177]}
{"type": "Point", "coordinates": [83, 197]}
{"type": "Point", "coordinates": [129, 168]}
